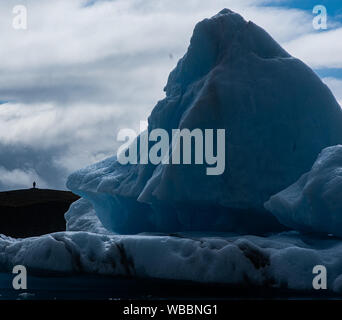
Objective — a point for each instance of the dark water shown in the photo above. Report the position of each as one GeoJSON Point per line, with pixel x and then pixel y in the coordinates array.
{"type": "Point", "coordinates": [88, 287]}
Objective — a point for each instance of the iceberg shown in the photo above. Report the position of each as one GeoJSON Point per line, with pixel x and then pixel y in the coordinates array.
{"type": "Point", "coordinates": [313, 204]}
{"type": "Point", "coordinates": [277, 115]}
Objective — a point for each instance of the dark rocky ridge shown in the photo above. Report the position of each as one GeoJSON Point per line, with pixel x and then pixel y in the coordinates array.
{"type": "Point", "coordinates": [33, 212]}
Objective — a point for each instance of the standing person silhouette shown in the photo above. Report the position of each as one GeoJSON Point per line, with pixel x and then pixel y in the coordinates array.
{"type": "Point", "coordinates": [34, 184]}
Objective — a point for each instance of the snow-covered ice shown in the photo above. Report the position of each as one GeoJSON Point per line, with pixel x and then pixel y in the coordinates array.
{"type": "Point", "coordinates": [283, 260]}
{"type": "Point", "coordinates": [278, 116]}
{"type": "Point", "coordinates": [314, 202]}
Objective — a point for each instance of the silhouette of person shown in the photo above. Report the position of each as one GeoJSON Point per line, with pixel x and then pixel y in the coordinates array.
{"type": "Point", "coordinates": [34, 184]}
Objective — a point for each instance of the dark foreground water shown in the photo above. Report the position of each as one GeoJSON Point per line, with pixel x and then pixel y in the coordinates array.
{"type": "Point", "coordinates": [104, 288]}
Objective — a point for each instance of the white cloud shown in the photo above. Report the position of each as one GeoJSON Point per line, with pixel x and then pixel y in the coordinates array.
{"type": "Point", "coordinates": [320, 49]}
{"type": "Point", "coordinates": [50, 125]}
{"type": "Point", "coordinates": [85, 133]}
{"type": "Point", "coordinates": [19, 178]}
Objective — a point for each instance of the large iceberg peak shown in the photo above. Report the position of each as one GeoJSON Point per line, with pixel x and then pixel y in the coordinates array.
{"type": "Point", "coordinates": [227, 35]}
{"type": "Point", "coordinates": [277, 116]}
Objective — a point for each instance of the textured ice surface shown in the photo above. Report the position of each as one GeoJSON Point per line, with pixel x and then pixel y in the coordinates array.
{"type": "Point", "coordinates": [314, 202]}
{"type": "Point", "coordinates": [278, 116]}
{"type": "Point", "coordinates": [284, 260]}
{"type": "Point", "coordinates": [81, 217]}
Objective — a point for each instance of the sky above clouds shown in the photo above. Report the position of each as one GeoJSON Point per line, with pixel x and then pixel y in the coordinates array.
{"type": "Point", "coordinates": [84, 69]}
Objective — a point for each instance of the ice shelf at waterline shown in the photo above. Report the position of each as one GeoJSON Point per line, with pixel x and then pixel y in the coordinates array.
{"type": "Point", "coordinates": [279, 261]}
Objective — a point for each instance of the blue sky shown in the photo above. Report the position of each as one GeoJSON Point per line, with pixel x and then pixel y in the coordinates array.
{"type": "Point", "coordinates": [334, 7]}
{"type": "Point", "coordinates": [82, 70]}
{"type": "Point", "coordinates": [329, 72]}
